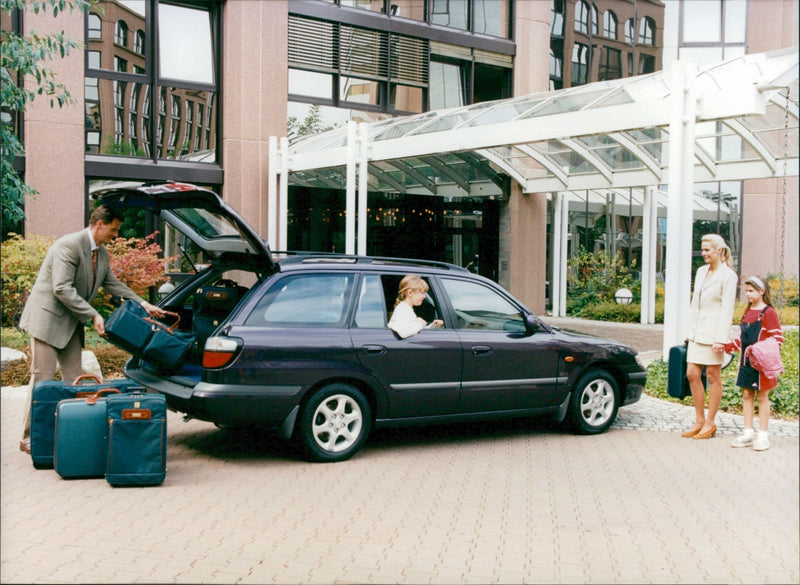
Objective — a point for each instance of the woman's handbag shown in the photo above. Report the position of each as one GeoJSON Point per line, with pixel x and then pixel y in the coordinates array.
{"type": "Point", "coordinates": [167, 348]}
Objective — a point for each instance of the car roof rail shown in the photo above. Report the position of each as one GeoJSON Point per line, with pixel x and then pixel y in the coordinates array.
{"type": "Point", "coordinates": [305, 257]}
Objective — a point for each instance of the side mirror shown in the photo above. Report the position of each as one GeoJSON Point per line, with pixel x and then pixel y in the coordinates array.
{"type": "Point", "coordinates": [532, 324]}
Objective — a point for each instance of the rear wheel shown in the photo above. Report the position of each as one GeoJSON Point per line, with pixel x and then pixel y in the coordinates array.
{"type": "Point", "coordinates": [334, 423]}
{"type": "Point", "coordinates": [594, 403]}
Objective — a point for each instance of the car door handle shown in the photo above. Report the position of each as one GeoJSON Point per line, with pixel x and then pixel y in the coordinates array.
{"type": "Point", "coordinates": [373, 349]}
{"type": "Point", "coordinates": [481, 350]}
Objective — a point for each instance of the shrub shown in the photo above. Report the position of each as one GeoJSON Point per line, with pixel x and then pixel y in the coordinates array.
{"type": "Point", "coordinates": [611, 311]}
{"type": "Point", "coordinates": [22, 258]}
{"type": "Point", "coordinates": [594, 278]}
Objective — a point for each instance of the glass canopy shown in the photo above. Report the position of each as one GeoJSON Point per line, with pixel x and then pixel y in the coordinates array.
{"type": "Point", "coordinates": [610, 134]}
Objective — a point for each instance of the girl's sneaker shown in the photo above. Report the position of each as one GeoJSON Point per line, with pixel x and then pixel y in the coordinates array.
{"type": "Point", "coordinates": [761, 443]}
{"type": "Point", "coordinates": [745, 440]}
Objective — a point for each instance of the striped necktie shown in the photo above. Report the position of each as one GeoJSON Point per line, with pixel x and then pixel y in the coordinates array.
{"type": "Point", "coordinates": [94, 266]}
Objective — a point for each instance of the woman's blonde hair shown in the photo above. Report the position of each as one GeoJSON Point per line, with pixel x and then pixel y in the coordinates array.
{"type": "Point", "coordinates": [410, 283]}
{"type": "Point", "coordinates": [718, 243]}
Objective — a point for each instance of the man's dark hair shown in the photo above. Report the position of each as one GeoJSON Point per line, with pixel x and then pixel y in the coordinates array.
{"type": "Point", "coordinates": [105, 214]}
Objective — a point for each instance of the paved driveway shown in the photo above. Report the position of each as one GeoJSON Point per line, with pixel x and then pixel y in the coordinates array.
{"type": "Point", "coordinates": [509, 502]}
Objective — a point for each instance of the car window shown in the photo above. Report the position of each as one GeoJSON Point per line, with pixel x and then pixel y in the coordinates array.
{"type": "Point", "coordinates": [371, 309]}
{"type": "Point", "coordinates": [304, 300]}
{"type": "Point", "coordinates": [479, 307]}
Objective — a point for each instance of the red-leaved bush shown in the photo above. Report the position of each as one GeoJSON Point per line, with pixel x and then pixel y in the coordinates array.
{"type": "Point", "coordinates": [136, 262]}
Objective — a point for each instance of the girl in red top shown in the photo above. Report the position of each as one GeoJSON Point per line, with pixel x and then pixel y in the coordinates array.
{"type": "Point", "coordinates": [759, 321]}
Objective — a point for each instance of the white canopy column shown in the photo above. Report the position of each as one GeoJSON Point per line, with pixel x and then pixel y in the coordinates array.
{"type": "Point", "coordinates": [678, 273]}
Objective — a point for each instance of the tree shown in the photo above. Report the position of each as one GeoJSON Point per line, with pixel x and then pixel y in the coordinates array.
{"type": "Point", "coordinates": [24, 58]}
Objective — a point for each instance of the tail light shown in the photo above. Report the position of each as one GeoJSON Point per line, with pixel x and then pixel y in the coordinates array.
{"type": "Point", "coordinates": [220, 351]}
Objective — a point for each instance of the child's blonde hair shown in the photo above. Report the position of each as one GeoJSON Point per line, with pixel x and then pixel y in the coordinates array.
{"type": "Point", "coordinates": [410, 283]}
{"type": "Point", "coordinates": [718, 243]}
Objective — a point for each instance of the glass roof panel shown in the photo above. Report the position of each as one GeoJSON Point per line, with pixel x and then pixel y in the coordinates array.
{"type": "Point", "coordinates": [618, 158]}
{"type": "Point", "coordinates": [447, 122]}
{"type": "Point", "coordinates": [503, 113]}
{"type": "Point", "coordinates": [403, 126]}
{"type": "Point", "coordinates": [615, 98]}
{"type": "Point", "coordinates": [562, 103]}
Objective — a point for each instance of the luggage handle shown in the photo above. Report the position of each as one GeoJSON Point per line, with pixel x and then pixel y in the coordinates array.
{"type": "Point", "coordinates": [83, 378]}
{"type": "Point", "coordinates": [171, 328]}
{"type": "Point", "coordinates": [93, 398]}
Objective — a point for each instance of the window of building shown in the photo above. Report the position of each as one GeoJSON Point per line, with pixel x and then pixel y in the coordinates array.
{"type": "Point", "coordinates": [582, 17]}
{"type": "Point", "coordinates": [610, 64]}
{"type": "Point", "coordinates": [609, 25]}
{"type": "Point", "coordinates": [451, 13]}
{"type": "Point", "coordinates": [595, 19]}
{"type": "Point", "coordinates": [580, 64]}
{"type": "Point", "coordinates": [337, 64]}
{"type": "Point", "coordinates": [447, 85]}
{"type": "Point", "coordinates": [647, 64]}
{"type": "Point", "coordinates": [557, 18]}
{"type": "Point", "coordinates": [138, 43]}
{"type": "Point", "coordinates": [121, 84]}
{"type": "Point", "coordinates": [630, 31]}
{"type": "Point", "coordinates": [95, 30]}
{"type": "Point", "coordinates": [121, 34]}
{"type": "Point", "coordinates": [712, 30]}
{"type": "Point", "coordinates": [556, 66]}
{"type": "Point", "coordinates": [647, 27]}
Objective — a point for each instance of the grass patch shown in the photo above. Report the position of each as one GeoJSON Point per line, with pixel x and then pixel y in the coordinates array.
{"type": "Point", "coordinates": [783, 398]}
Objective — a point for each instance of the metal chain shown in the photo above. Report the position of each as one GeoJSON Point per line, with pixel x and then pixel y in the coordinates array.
{"type": "Point", "coordinates": [780, 298]}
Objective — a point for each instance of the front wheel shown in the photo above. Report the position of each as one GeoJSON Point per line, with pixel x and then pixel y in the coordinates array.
{"type": "Point", "coordinates": [334, 424]}
{"type": "Point", "coordinates": [594, 403]}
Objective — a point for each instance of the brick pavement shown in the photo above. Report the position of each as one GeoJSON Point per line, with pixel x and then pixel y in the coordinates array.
{"type": "Point", "coordinates": [508, 502]}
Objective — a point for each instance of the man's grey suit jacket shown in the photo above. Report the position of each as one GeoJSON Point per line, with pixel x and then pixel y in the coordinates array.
{"type": "Point", "coordinates": [64, 287]}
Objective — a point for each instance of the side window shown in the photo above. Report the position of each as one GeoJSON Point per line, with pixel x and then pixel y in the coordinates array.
{"type": "Point", "coordinates": [304, 300]}
{"type": "Point", "coordinates": [428, 310]}
{"type": "Point", "coordinates": [479, 307]}
{"type": "Point", "coordinates": [371, 309]}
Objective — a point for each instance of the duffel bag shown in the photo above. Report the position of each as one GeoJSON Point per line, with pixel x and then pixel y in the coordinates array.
{"type": "Point", "coordinates": [167, 348]}
{"type": "Point", "coordinates": [127, 327]}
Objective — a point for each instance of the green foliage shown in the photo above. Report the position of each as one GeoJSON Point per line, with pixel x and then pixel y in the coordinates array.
{"type": "Point", "coordinates": [611, 311]}
{"type": "Point", "coordinates": [593, 278]}
{"type": "Point", "coordinates": [23, 57]}
{"type": "Point", "coordinates": [784, 290]}
{"type": "Point", "coordinates": [783, 398]}
{"type": "Point", "coordinates": [21, 261]}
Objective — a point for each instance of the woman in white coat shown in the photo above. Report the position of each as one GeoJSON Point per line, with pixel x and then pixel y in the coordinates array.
{"type": "Point", "coordinates": [710, 319]}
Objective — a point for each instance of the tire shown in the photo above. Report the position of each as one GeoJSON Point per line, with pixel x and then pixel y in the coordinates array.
{"type": "Point", "coordinates": [594, 403]}
{"type": "Point", "coordinates": [334, 424]}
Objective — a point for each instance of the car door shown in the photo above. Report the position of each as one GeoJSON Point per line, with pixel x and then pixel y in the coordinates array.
{"type": "Point", "coordinates": [421, 374]}
{"type": "Point", "coordinates": [504, 366]}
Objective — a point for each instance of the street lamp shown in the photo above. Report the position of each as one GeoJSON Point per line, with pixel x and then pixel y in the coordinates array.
{"type": "Point", "coordinates": [623, 296]}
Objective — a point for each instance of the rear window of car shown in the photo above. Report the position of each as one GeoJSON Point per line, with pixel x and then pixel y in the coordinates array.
{"type": "Point", "coordinates": [304, 300]}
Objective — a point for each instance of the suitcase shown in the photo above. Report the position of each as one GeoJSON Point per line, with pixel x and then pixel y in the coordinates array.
{"type": "Point", "coordinates": [218, 299]}
{"type": "Point", "coordinates": [137, 439]}
{"type": "Point", "coordinates": [46, 395]}
{"type": "Point", "coordinates": [127, 328]}
{"type": "Point", "coordinates": [81, 436]}
{"type": "Point", "coordinates": [677, 384]}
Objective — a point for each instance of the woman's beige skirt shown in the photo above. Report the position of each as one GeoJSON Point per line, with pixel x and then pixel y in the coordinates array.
{"type": "Point", "coordinates": [699, 353]}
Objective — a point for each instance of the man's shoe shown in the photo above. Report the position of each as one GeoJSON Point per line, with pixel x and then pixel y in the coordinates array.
{"type": "Point", "coordinates": [25, 447]}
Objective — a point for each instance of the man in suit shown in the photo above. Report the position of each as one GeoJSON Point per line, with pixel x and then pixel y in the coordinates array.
{"type": "Point", "coordinates": [74, 269]}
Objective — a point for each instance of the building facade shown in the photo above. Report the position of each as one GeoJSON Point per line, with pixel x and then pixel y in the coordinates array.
{"type": "Point", "coordinates": [192, 91]}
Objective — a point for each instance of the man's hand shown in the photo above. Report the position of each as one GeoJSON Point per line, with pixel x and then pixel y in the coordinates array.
{"type": "Point", "coordinates": [154, 311]}
{"type": "Point", "coordinates": [99, 324]}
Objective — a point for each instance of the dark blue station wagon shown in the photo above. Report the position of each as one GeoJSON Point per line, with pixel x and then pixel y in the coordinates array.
{"type": "Point", "coordinates": [301, 343]}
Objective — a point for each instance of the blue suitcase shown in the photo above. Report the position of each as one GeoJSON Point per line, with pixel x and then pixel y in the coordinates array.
{"type": "Point", "coordinates": [81, 436]}
{"type": "Point", "coordinates": [46, 395]}
{"type": "Point", "coordinates": [137, 439]}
